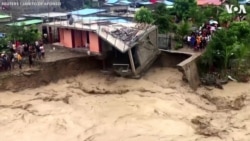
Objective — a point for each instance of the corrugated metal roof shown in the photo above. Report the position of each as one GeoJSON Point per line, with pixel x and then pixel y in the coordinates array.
{"type": "Point", "coordinates": [4, 16]}
{"type": "Point", "coordinates": [111, 1]}
{"type": "Point", "coordinates": [95, 18]}
{"type": "Point", "coordinates": [87, 11]}
{"type": "Point", "coordinates": [27, 22]}
{"type": "Point", "coordinates": [50, 15]}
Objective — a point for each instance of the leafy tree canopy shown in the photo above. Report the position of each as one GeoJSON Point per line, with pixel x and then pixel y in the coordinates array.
{"type": "Point", "coordinates": [183, 7]}
{"type": "Point", "coordinates": [162, 18]}
{"type": "Point", "coordinates": [227, 45]}
{"type": "Point", "coordinates": [144, 15]}
{"type": "Point", "coordinates": [24, 34]}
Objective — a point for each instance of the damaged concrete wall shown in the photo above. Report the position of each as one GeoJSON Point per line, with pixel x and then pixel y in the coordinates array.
{"type": "Point", "coordinates": [190, 71]}
{"type": "Point", "coordinates": [185, 62]}
{"type": "Point", "coordinates": [147, 50]}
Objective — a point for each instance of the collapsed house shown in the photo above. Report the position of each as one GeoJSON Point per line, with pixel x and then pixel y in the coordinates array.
{"type": "Point", "coordinates": [128, 48]}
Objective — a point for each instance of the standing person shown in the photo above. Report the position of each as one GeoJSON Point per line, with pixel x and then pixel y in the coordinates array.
{"type": "Point", "coordinates": [42, 51]}
{"type": "Point", "coordinates": [38, 51]}
{"type": "Point", "coordinates": [30, 54]}
{"type": "Point", "coordinates": [25, 50]}
{"type": "Point", "coordinates": [198, 41]}
{"type": "Point", "coordinates": [45, 38]}
{"type": "Point", "coordinates": [9, 45]}
{"type": "Point", "coordinates": [12, 60]}
{"type": "Point", "coordinates": [189, 41]}
{"type": "Point", "coordinates": [19, 60]}
{"type": "Point", "coordinates": [12, 49]}
{"type": "Point", "coordinates": [4, 62]}
{"type": "Point", "coordinates": [193, 41]}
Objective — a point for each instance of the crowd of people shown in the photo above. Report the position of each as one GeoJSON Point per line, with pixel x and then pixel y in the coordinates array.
{"type": "Point", "coordinates": [198, 39]}
{"type": "Point", "coordinates": [17, 54]}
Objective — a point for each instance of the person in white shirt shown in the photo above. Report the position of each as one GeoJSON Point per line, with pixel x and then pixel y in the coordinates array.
{"type": "Point", "coordinates": [212, 29]}
{"type": "Point", "coordinates": [36, 43]}
{"type": "Point", "coordinates": [42, 50]}
{"type": "Point", "coordinates": [189, 40]}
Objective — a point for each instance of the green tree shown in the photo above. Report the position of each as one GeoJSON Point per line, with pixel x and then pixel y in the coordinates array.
{"type": "Point", "coordinates": [226, 18]}
{"type": "Point", "coordinates": [15, 32]}
{"type": "Point", "coordinates": [183, 7]}
{"type": "Point", "coordinates": [24, 34]}
{"type": "Point", "coordinates": [162, 19]}
{"type": "Point", "coordinates": [227, 45]}
{"type": "Point", "coordinates": [30, 35]}
{"type": "Point", "coordinates": [183, 29]}
{"type": "Point", "coordinates": [197, 19]}
{"type": "Point", "coordinates": [233, 2]}
{"type": "Point", "coordinates": [144, 15]}
{"type": "Point", "coordinates": [3, 44]}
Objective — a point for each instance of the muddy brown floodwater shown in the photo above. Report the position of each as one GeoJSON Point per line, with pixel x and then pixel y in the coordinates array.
{"type": "Point", "coordinates": [97, 107]}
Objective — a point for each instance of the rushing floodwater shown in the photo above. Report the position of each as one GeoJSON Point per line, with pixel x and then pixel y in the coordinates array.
{"type": "Point", "coordinates": [95, 107]}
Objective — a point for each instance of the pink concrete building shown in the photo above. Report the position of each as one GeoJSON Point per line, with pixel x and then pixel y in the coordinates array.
{"type": "Point", "coordinates": [73, 38]}
{"type": "Point", "coordinates": [209, 2]}
{"type": "Point", "coordinates": [129, 48]}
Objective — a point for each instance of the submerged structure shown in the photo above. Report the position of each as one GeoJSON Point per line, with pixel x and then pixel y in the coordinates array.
{"type": "Point", "coordinates": [125, 47]}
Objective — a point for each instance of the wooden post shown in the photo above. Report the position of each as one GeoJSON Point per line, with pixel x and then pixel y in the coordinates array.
{"type": "Point", "coordinates": [131, 61]}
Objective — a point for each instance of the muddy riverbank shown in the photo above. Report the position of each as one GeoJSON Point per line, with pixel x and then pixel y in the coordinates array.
{"type": "Point", "coordinates": [45, 73]}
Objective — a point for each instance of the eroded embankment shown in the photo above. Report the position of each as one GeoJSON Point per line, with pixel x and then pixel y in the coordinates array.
{"type": "Point", "coordinates": [46, 73]}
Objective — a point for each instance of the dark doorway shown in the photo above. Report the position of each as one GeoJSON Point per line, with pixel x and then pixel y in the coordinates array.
{"type": "Point", "coordinates": [135, 57]}
{"type": "Point", "coordinates": [73, 38]}
{"type": "Point", "coordinates": [87, 35]}
{"type": "Point", "coordinates": [100, 44]}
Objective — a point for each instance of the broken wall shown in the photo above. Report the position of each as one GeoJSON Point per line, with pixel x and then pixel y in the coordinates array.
{"type": "Point", "coordinates": [190, 71]}
{"type": "Point", "coordinates": [185, 62]}
{"type": "Point", "coordinates": [147, 50]}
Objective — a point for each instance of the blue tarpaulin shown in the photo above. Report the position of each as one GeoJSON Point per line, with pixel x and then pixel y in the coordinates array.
{"type": "Point", "coordinates": [111, 1]}
{"type": "Point", "coordinates": [87, 11]}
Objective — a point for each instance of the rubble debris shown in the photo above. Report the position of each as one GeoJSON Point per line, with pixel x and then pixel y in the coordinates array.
{"type": "Point", "coordinates": [222, 103]}
{"type": "Point", "coordinates": [213, 80]}
{"type": "Point", "coordinates": [125, 34]}
{"type": "Point", "coordinates": [204, 127]}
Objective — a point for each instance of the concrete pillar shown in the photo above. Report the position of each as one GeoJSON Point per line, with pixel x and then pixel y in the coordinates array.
{"type": "Point", "coordinates": [131, 61]}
